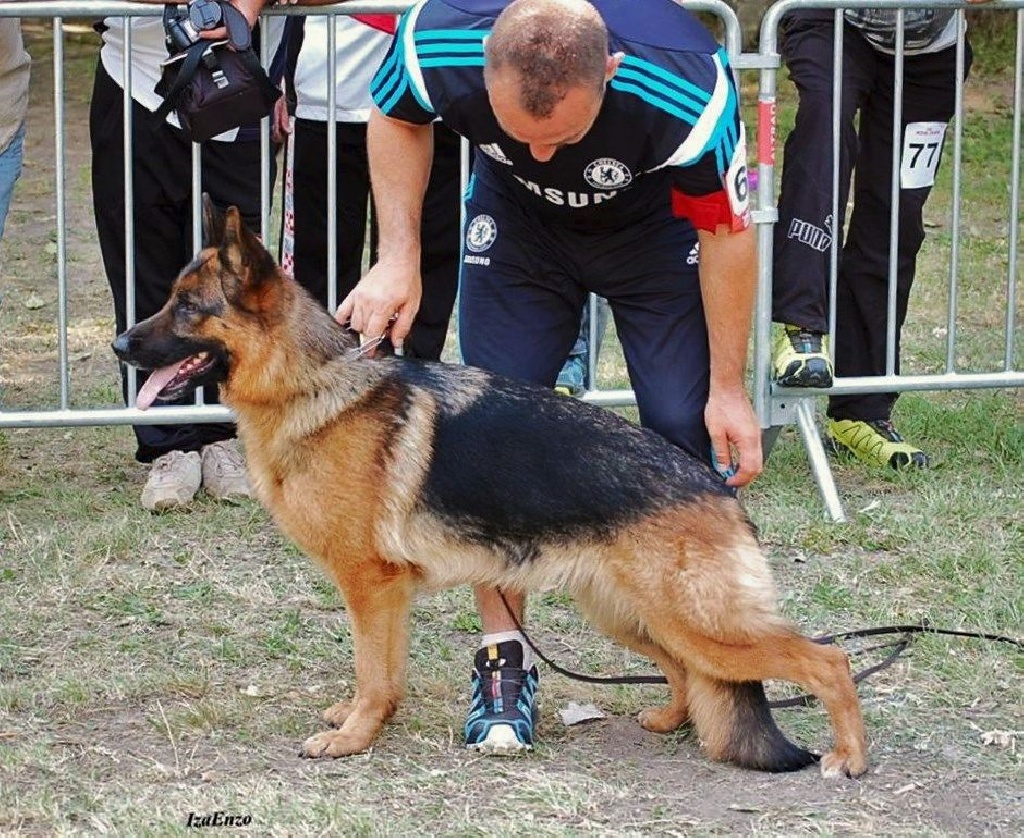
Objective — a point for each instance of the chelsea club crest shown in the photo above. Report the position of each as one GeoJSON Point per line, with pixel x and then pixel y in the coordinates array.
{"type": "Point", "coordinates": [607, 173]}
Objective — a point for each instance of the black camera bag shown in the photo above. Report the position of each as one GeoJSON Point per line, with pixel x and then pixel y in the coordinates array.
{"type": "Point", "coordinates": [215, 86]}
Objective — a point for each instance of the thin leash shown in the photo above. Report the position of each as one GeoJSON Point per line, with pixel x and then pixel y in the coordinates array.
{"type": "Point", "coordinates": [898, 646]}
{"type": "Point", "coordinates": [366, 347]}
{"type": "Point", "coordinates": [371, 344]}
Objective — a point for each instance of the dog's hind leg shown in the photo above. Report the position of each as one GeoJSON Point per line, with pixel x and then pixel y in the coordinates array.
{"type": "Point", "coordinates": [627, 632]}
{"type": "Point", "coordinates": [731, 642]}
{"type": "Point", "coordinates": [378, 597]}
{"type": "Point", "coordinates": [730, 711]}
{"type": "Point", "coordinates": [706, 596]}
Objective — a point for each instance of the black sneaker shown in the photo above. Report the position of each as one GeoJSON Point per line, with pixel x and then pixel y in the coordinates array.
{"type": "Point", "coordinates": [501, 715]}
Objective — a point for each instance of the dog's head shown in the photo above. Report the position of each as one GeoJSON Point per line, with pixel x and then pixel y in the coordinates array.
{"type": "Point", "coordinates": [192, 340]}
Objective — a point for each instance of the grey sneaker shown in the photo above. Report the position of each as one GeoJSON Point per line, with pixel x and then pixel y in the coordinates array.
{"type": "Point", "coordinates": [173, 481]}
{"type": "Point", "coordinates": [224, 471]}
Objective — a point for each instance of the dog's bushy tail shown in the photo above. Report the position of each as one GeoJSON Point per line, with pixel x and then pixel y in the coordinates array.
{"type": "Point", "coordinates": [735, 725]}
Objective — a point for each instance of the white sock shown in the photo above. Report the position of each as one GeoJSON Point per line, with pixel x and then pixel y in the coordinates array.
{"type": "Point", "coordinates": [503, 637]}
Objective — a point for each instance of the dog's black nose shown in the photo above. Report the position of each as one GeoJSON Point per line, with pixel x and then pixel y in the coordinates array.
{"type": "Point", "coordinates": [120, 345]}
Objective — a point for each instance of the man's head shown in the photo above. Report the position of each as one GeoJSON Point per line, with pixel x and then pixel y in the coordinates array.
{"type": "Point", "coordinates": [546, 64]}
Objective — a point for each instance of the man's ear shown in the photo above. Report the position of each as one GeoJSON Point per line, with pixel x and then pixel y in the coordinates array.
{"type": "Point", "coordinates": [213, 223]}
{"type": "Point", "coordinates": [611, 66]}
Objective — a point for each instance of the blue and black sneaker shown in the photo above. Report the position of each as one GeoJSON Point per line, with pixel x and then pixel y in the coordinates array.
{"type": "Point", "coordinates": [500, 721]}
{"type": "Point", "coordinates": [572, 379]}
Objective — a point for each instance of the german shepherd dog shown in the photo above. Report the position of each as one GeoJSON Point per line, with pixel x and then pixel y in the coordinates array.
{"type": "Point", "coordinates": [399, 476]}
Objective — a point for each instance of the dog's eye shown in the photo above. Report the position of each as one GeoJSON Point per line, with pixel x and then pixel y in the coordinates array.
{"type": "Point", "coordinates": [186, 305]}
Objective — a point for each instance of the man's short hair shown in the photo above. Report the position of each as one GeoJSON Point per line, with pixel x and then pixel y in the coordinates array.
{"type": "Point", "coordinates": [552, 46]}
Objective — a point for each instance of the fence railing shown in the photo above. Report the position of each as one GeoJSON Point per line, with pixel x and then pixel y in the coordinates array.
{"type": "Point", "coordinates": [778, 406]}
{"type": "Point", "coordinates": [775, 406]}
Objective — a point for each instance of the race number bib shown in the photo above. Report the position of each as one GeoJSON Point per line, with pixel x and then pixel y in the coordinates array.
{"type": "Point", "coordinates": [922, 147]}
{"type": "Point", "coordinates": [736, 184]}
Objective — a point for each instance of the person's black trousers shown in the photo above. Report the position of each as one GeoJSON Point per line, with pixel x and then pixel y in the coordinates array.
{"type": "Point", "coordinates": [162, 191]}
{"type": "Point", "coordinates": [804, 231]}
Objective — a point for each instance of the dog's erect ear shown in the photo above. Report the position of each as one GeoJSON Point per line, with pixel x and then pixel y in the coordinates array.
{"type": "Point", "coordinates": [213, 223]}
{"type": "Point", "coordinates": [241, 247]}
{"type": "Point", "coordinates": [232, 243]}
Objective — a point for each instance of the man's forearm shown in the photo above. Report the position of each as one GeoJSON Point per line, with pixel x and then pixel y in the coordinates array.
{"type": "Point", "coordinates": [400, 155]}
{"type": "Point", "coordinates": [252, 8]}
{"type": "Point", "coordinates": [728, 279]}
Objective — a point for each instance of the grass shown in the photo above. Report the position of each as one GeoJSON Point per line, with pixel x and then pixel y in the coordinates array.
{"type": "Point", "coordinates": [172, 664]}
{"type": "Point", "coordinates": [153, 667]}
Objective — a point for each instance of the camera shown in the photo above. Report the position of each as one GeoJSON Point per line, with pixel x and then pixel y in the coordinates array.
{"type": "Point", "coordinates": [182, 26]}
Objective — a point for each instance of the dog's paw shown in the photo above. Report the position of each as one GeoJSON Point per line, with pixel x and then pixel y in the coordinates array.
{"type": "Point", "coordinates": [839, 764]}
{"type": "Point", "coordinates": [336, 714]}
{"type": "Point", "coordinates": [333, 744]}
{"type": "Point", "coordinates": [662, 719]}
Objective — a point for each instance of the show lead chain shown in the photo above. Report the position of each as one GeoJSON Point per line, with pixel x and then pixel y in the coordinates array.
{"type": "Point", "coordinates": [898, 646]}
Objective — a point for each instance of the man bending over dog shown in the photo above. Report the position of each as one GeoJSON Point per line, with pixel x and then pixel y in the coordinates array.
{"type": "Point", "coordinates": [609, 152]}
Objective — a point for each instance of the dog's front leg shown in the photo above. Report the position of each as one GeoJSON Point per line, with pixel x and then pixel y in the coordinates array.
{"type": "Point", "coordinates": [378, 596]}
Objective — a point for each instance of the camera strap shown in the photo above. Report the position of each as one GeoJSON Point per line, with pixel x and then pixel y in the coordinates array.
{"type": "Point", "coordinates": [196, 55]}
{"type": "Point", "coordinates": [239, 32]}
{"type": "Point", "coordinates": [189, 64]}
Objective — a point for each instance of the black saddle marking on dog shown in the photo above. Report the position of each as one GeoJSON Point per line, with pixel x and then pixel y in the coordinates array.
{"type": "Point", "coordinates": [520, 465]}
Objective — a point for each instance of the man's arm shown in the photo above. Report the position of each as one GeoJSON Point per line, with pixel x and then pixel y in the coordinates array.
{"type": "Point", "coordinates": [252, 8]}
{"type": "Point", "coordinates": [716, 205]}
{"type": "Point", "coordinates": [400, 156]}
{"type": "Point", "coordinates": [728, 281]}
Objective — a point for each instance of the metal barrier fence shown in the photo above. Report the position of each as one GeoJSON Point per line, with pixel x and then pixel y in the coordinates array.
{"type": "Point", "coordinates": [775, 406]}
{"type": "Point", "coordinates": [63, 415]}
{"type": "Point", "coordinates": [778, 406]}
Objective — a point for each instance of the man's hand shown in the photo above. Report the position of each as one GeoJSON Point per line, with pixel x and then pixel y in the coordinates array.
{"type": "Point", "coordinates": [281, 122]}
{"type": "Point", "coordinates": [250, 8]}
{"type": "Point", "coordinates": [387, 293]}
{"type": "Point", "coordinates": [735, 435]}
{"type": "Point", "coordinates": [400, 155]}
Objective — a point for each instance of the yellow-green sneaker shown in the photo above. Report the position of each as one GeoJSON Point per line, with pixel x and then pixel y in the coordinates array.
{"type": "Point", "coordinates": [800, 358]}
{"type": "Point", "coordinates": [875, 442]}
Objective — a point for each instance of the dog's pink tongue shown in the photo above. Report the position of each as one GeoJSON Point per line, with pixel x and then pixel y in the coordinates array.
{"type": "Point", "coordinates": [154, 384]}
